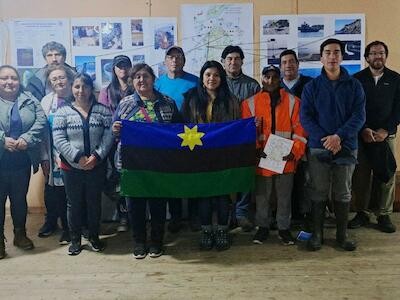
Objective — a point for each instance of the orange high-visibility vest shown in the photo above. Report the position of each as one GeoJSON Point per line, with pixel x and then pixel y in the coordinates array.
{"type": "Point", "coordinates": [287, 124]}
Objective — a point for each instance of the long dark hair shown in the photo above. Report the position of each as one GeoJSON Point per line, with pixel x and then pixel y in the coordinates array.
{"type": "Point", "coordinates": [222, 103]}
{"type": "Point", "coordinates": [114, 88]}
{"type": "Point", "coordinates": [87, 80]}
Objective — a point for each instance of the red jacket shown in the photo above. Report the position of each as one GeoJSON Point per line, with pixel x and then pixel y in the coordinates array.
{"type": "Point", "coordinates": [287, 124]}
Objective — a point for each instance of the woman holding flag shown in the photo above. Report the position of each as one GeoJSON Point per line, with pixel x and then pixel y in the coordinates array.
{"type": "Point", "coordinates": [212, 102]}
{"type": "Point", "coordinates": [145, 105]}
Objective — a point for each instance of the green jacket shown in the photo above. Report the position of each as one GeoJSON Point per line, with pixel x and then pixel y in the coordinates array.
{"type": "Point", "coordinates": [33, 123]}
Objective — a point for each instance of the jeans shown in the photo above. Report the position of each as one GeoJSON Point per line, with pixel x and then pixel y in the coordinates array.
{"type": "Point", "coordinates": [242, 205]}
{"type": "Point", "coordinates": [206, 210]}
{"type": "Point", "coordinates": [55, 200]}
{"type": "Point", "coordinates": [282, 184]}
{"type": "Point", "coordinates": [326, 176]}
{"type": "Point", "coordinates": [137, 211]}
{"type": "Point", "coordinates": [84, 187]}
{"type": "Point", "coordinates": [14, 184]}
{"type": "Point", "coordinates": [175, 208]}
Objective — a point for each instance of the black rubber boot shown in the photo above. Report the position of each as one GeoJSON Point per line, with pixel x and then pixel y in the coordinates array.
{"type": "Point", "coordinates": [21, 240]}
{"type": "Point", "coordinates": [342, 214]}
{"type": "Point", "coordinates": [317, 214]}
{"type": "Point", "coordinates": [2, 246]}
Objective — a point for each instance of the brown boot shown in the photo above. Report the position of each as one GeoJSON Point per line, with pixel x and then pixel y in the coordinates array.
{"type": "Point", "coordinates": [2, 246]}
{"type": "Point", "coordinates": [21, 240]}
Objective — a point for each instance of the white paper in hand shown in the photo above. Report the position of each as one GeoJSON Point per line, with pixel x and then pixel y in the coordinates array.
{"type": "Point", "coordinates": [276, 148]}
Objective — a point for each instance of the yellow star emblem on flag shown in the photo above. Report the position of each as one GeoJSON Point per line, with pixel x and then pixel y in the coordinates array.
{"type": "Point", "coordinates": [191, 137]}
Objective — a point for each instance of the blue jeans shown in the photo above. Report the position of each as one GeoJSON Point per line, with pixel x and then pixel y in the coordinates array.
{"type": "Point", "coordinates": [84, 187]}
{"type": "Point", "coordinates": [14, 184]}
{"type": "Point", "coordinates": [242, 205]}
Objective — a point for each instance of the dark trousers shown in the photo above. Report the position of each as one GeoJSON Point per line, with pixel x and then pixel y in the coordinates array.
{"type": "Point", "coordinates": [84, 187]}
{"type": "Point", "coordinates": [55, 200]}
{"type": "Point", "coordinates": [14, 184]}
{"type": "Point", "coordinates": [175, 208]}
{"type": "Point", "coordinates": [137, 212]}
{"type": "Point", "coordinates": [206, 210]}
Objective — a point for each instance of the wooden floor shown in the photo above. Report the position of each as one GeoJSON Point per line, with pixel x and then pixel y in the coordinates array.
{"type": "Point", "coordinates": [246, 271]}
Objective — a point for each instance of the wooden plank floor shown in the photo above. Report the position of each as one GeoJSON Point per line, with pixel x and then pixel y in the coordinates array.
{"type": "Point", "coordinates": [246, 271]}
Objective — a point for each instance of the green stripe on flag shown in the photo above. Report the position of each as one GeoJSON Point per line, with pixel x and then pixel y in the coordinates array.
{"type": "Point", "coordinates": [186, 185]}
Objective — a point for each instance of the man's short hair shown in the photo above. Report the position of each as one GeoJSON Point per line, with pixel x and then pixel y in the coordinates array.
{"type": "Point", "coordinates": [375, 43]}
{"type": "Point", "coordinates": [54, 46]}
{"type": "Point", "coordinates": [232, 49]}
{"type": "Point", "coordinates": [331, 41]}
{"type": "Point", "coordinates": [288, 52]}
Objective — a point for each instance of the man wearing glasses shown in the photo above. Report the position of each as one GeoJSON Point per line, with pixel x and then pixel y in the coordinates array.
{"type": "Point", "coordinates": [382, 89]}
{"type": "Point", "coordinates": [174, 84]}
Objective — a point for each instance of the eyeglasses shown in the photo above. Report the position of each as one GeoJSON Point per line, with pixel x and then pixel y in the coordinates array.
{"type": "Point", "coordinates": [381, 53]}
{"type": "Point", "coordinates": [55, 79]}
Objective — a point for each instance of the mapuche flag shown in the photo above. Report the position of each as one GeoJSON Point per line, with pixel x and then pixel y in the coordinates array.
{"type": "Point", "coordinates": [187, 160]}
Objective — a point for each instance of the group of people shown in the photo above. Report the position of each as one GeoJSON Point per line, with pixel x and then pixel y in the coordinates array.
{"type": "Point", "coordinates": [338, 123]}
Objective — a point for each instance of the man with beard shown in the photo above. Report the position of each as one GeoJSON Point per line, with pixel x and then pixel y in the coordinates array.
{"type": "Point", "coordinates": [54, 54]}
{"type": "Point", "coordinates": [382, 89]}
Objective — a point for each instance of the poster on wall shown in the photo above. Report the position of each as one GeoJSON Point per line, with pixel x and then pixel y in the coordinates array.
{"type": "Point", "coordinates": [95, 42]}
{"type": "Point", "coordinates": [208, 28]}
{"type": "Point", "coordinates": [305, 33]}
{"type": "Point", "coordinates": [27, 39]}
{"type": "Point", "coordinates": [3, 42]}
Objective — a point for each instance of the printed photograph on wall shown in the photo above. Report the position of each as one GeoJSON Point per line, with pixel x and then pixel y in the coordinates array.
{"type": "Point", "coordinates": [309, 51]}
{"type": "Point", "coordinates": [309, 27]}
{"type": "Point", "coordinates": [106, 71]}
{"type": "Point", "coordinates": [276, 26]}
{"type": "Point", "coordinates": [86, 64]}
{"type": "Point", "coordinates": [137, 59]}
{"type": "Point", "coordinates": [26, 73]}
{"type": "Point", "coordinates": [275, 47]}
{"type": "Point", "coordinates": [85, 36]}
{"type": "Point", "coordinates": [352, 50]}
{"type": "Point", "coordinates": [25, 57]}
{"type": "Point", "coordinates": [137, 32]}
{"type": "Point", "coordinates": [164, 37]}
{"type": "Point", "coordinates": [348, 26]}
{"type": "Point", "coordinates": [111, 35]}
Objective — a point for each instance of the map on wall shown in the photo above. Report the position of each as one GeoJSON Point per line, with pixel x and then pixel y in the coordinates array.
{"type": "Point", "coordinates": [305, 33]}
{"type": "Point", "coordinates": [208, 28]}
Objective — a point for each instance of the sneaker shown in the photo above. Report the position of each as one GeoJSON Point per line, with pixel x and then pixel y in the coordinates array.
{"type": "Point", "coordinates": [385, 224]}
{"type": "Point", "coordinates": [245, 224]}
{"type": "Point", "coordinates": [174, 226]}
{"type": "Point", "coordinates": [123, 225]}
{"type": "Point", "coordinates": [286, 237]}
{"type": "Point", "coordinates": [206, 240]}
{"type": "Point", "coordinates": [96, 244]}
{"type": "Point", "coordinates": [155, 251]}
{"type": "Point", "coordinates": [261, 235]}
{"type": "Point", "coordinates": [47, 230]}
{"type": "Point", "coordinates": [360, 219]}
{"type": "Point", "coordinates": [222, 240]}
{"type": "Point", "coordinates": [139, 251]}
{"type": "Point", "coordinates": [75, 248]}
{"type": "Point", "coordinates": [65, 238]}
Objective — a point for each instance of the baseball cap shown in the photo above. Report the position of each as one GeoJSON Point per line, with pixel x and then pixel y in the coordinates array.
{"type": "Point", "coordinates": [271, 68]}
{"type": "Point", "coordinates": [122, 60]}
{"type": "Point", "coordinates": [177, 48]}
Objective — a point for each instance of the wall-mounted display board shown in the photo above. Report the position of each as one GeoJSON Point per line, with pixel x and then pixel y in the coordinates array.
{"type": "Point", "coordinates": [208, 28]}
{"type": "Point", "coordinates": [305, 33]}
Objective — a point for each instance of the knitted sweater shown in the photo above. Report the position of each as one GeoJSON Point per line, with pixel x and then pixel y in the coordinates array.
{"type": "Point", "coordinates": [76, 137]}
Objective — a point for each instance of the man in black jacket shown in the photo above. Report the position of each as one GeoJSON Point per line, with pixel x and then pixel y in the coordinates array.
{"type": "Point", "coordinates": [382, 89]}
